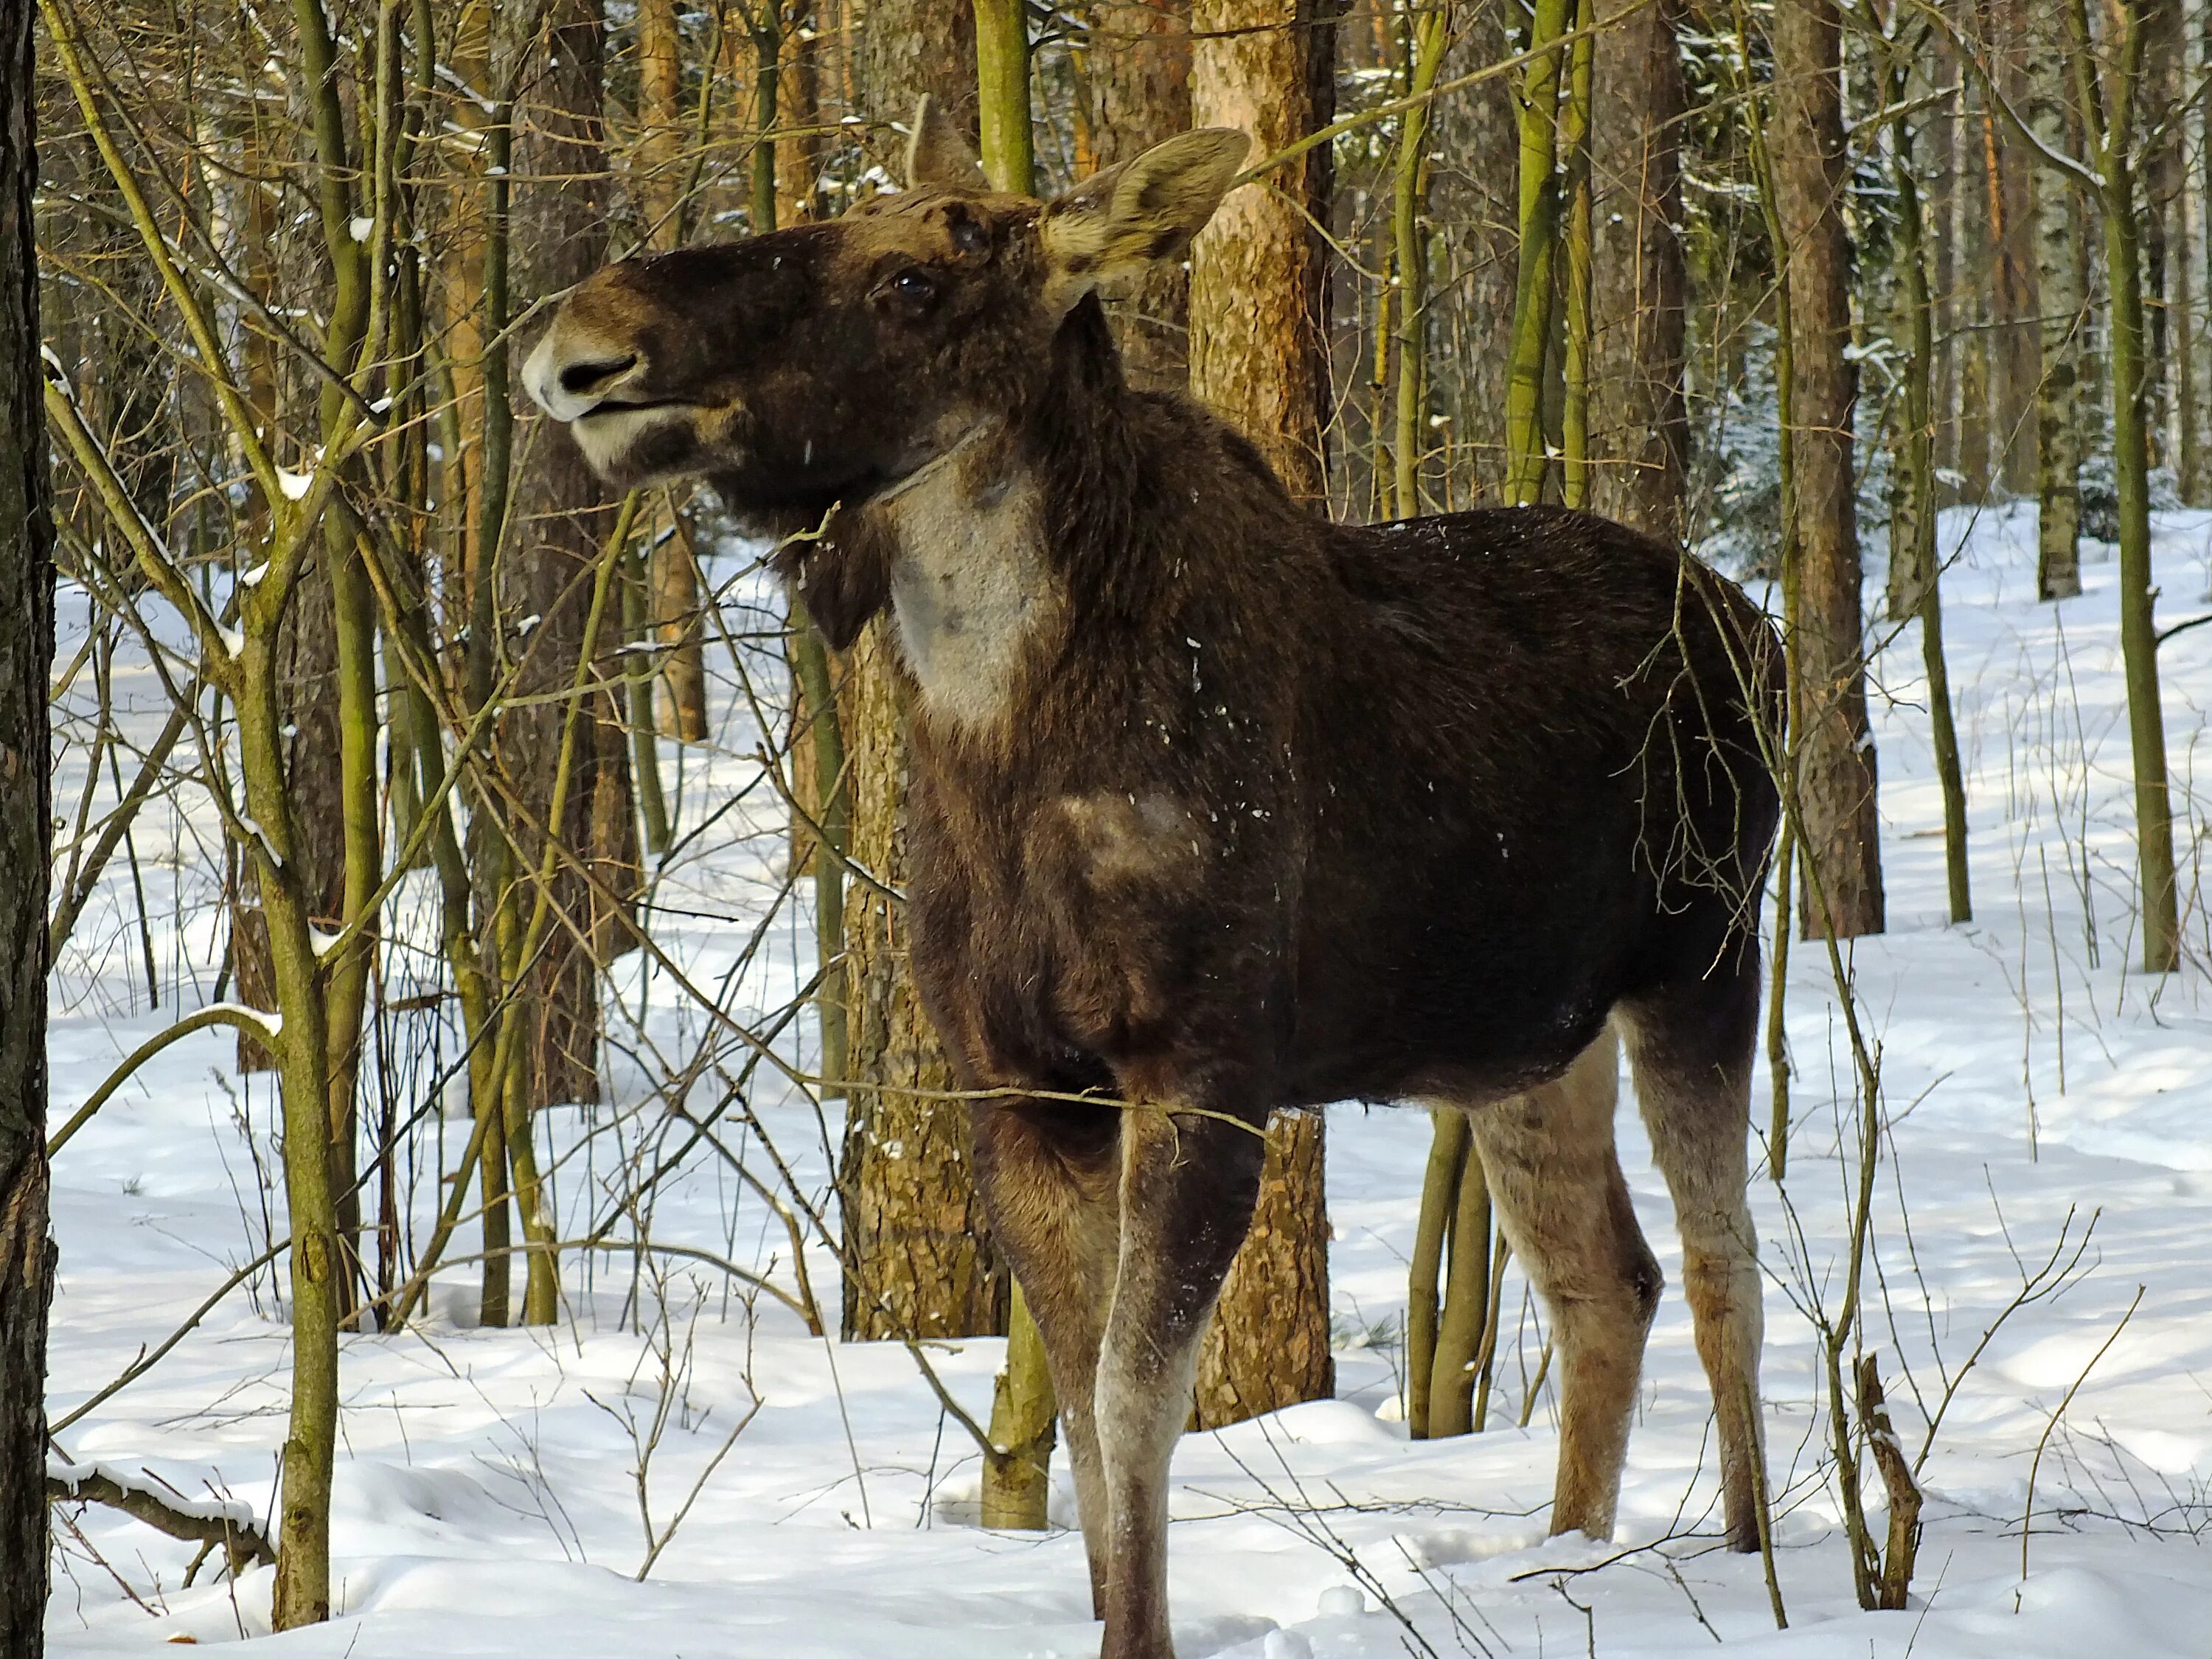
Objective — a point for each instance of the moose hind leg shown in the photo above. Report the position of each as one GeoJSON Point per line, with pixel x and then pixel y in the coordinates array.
{"type": "Point", "coordinates": [1049, 1175]}
{"type": "Point", "coordinates": [1188, 1184]}
{"type": "Point", "coordinates": [1690, 1048]}
{"type": "Point", "coordinates": [1548, 1155]}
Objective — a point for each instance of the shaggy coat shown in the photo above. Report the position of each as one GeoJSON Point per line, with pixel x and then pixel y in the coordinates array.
{"type": "Point", "coordinates": [1219, 807]}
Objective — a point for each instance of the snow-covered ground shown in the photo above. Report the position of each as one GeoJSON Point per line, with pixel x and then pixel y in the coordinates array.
{"type": "Point", "coordinates": [488, 1497]}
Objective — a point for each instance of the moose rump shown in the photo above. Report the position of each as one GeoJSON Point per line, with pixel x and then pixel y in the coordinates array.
{"type": "Point", "coordinates": [1217, 807]}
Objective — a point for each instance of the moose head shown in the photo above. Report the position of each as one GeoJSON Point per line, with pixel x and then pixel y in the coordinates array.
{"type": "Point", "coordinates": [825, 363]}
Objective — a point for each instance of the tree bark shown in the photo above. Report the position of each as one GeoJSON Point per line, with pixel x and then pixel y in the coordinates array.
{"type": "Point", "coordinates": [2059, 226]}
{"type": "Point", "coordinates": [2014, 343]}
{"type": "Point", "coordinates": [562, 518]}
{"type": "Point", "coordinates": [1835, 779]}
{"type": "Point", "coordinates": [658, 168]}
{"type": "Point", "coordinates": [1137, 94]}
{"type": "Point", "coordinates": [917, 1255]}
{"type": "Point", "coordinates": [2108, 113]}
{"type": "Point", "coordinates": [27, 582]}
{"type": "Point", "coordinates": [1472, 217]}
{"type": "Point", "coordinates": [1639, 436]}
{"type": "Point", "coordinates": [1258, 315]}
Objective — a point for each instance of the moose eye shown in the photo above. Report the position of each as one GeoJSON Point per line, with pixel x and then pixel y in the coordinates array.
{"type": "Point", "coordinates": [915, 287]}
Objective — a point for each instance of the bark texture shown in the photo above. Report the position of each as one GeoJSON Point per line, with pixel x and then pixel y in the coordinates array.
{"type": "Point", "coordinates": [904, 48]}
{"type": "Point", "coordinates": [1258, 279]}
{"type": "Point", "coordinates": [1137, 94]}
{"type": "Point", "coordinates": [1475, 253]}
{"type": "Point", "coordinates": [26, 584]}
{"type": "Point", "coordinates": [917, 1258]}
{"type": "Point", "coordinates": [1836, 775]}
{"type": "Point", "coordinates": [1639, 427]}
{"type": "Point", "coordinates": [561, 519]}
{"type": "Point", "coordinates": [2060, 225]}
{"type": "Point", "coordinates": [1258, 305]}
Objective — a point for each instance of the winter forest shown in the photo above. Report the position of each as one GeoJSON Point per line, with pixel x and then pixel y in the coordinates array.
{"type": "Point", "coordinates": [476, 1171]}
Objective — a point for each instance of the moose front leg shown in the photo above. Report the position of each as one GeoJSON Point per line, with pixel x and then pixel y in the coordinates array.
{"type": "Point", "coordinates": [1188, 1184]}
{"type": "Point", "coordinates": [1049, 1173]}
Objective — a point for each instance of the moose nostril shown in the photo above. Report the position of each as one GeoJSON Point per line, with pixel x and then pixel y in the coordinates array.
{"type": "Point", "coordinates": [579, 379]}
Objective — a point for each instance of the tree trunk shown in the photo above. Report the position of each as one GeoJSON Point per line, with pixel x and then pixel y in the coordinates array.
{"type": "Point", "coordinates": [2159, 172]}
{"type": "Point", "coordinates": [658, 170]}
{"type": "Point", "coordinates": [1835, 785]}
{"type": "Point", "coordinates": [917, 1255]}
{"type": "Point", "coordinates": [2015, 345]}
{"type": "Point", "coordinates": [27, 581]}
{"type": "Point", "coordinates": [560, 521]}
{"type": "Point", "coordinates": [1537, 215]}
{"type": "Point", "coordinates": [2118, 202]}
{"type": "Point", "coordinates": [1917, 465]}
{"type": "Point", "coordinates": [1472, 219]}
{"type": "Point", "coordinates": [1258, 315]}
{"type": "Point", "coordinates": [2059, 225]}
{"type": "Point", "coordinates": [1137, 90]}
{"type": "Point", "coordinates": [1639, 436]}
{"type": "Point", "coordinates": [1943, 195]}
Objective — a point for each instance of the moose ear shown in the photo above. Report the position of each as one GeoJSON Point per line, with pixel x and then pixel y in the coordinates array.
{"type": "Point", "coordinates": [937, 156]}
{"type": "Point", "coordinates": [1120, 220]}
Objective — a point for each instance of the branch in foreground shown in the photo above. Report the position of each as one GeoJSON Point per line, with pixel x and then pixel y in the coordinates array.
{"type": "Point", "coordinates": [215, 1523]}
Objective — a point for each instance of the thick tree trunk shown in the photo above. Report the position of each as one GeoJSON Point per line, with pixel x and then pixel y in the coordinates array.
{"type": "Point", "coordinates": [544, 572]}
{"type": "Point", "coordinates": [561, 519]}
{"type": "Point", "coordinates": [1258, 315]}
{"type": "Point", "coordinates": [918, 1261]}
{"type": "Point", "coordinates": [1137, 92]}
{"type": "Point", "coordinates": [1639, 427]}
{"type": "Point", "coordinates": [1836, 778]}
{"type": "Point", "coordinates": [1472, 217]}
{"type": "Point", "coordinates": [27, 587]}
{"type": "Point", "coordinates": [917, 1257]}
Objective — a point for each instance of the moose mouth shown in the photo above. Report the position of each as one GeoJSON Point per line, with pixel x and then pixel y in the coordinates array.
{"type": "Point", "coordinates": [615, 407]}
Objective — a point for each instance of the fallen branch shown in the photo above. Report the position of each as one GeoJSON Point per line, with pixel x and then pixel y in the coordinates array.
{"type": "Point", "coordinates": [217, 1523]}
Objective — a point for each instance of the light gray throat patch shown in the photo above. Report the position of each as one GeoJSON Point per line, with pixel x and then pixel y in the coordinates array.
{"type": "Point", "coordinates": [970, 587]}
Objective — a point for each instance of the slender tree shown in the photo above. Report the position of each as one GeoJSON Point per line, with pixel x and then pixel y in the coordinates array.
{"type": "Point", "coordinates": [1258, 310]}
{"type": "Point", "coordinates": [27, 581]}
{"type": "Point", "coordinates": [1835, 780]}
{"type": "Point", "coordinates": [2061, 265]}
{"type": "Point", "coordinates": [1534, 294]}
{"type": "Point", "coordinates": [1917, 459]}
{"type": "Point", "coordinates": [2107, 74]}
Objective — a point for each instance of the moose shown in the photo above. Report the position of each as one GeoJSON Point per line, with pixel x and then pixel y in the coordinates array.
{"type": "Point", "coordinates": [1217, 807]}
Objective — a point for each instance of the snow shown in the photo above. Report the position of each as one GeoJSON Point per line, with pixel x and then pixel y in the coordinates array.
{"type": "Point", "coordinates": [489, 1498]}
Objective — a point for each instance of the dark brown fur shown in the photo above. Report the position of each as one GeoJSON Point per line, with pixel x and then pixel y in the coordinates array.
{"type": "Point", "coordinates": [1267, 811]}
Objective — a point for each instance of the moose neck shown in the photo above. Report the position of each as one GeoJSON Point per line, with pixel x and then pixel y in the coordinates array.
{"type": "Point", "coordinates": [1085, 508]}
{"type": "Point", "coordinates": [971, 584]}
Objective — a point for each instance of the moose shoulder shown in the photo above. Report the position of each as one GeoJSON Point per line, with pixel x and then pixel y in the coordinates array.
{"type": "Point", "coordinates": [1218, 806]}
